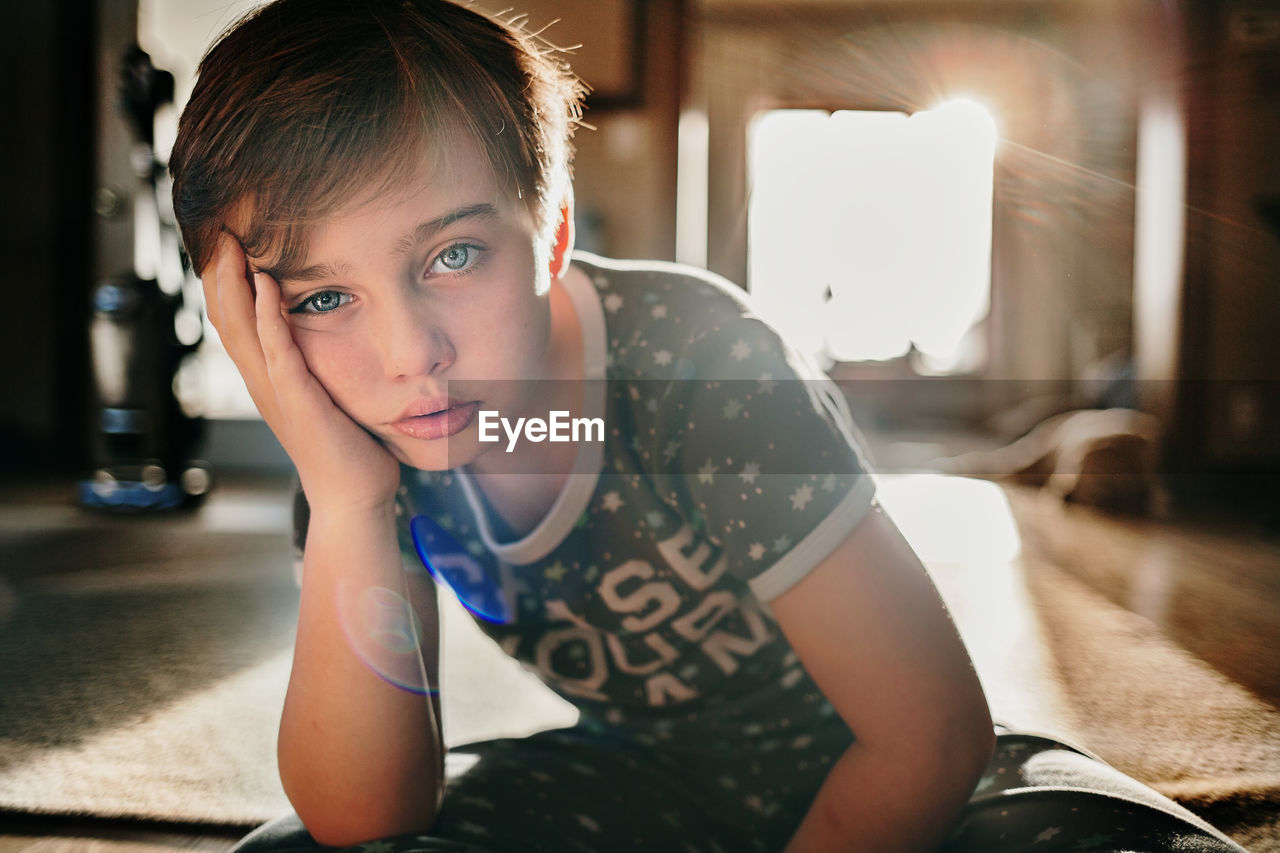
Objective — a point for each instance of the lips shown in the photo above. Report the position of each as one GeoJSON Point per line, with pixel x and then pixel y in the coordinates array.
{"type": "Point", "coordinates": [438, 417]}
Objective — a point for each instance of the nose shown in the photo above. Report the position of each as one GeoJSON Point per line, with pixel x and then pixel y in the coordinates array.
{"type": "Point", "coordinates": [411, 342]}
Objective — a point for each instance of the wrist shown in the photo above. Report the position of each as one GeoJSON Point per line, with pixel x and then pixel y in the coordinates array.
{"type": "Point", "coordinates": [351, 523]}
{"type": "Point", "coordinates": [345, 509]}
{"type": "Point", "coordinates": [359, 532]}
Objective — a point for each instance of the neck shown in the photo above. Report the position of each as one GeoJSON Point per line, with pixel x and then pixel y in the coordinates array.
{"type": "Point", "coordinates": [521, 486]}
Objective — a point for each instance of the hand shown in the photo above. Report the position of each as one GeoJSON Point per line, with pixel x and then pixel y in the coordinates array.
{"type": "Point", "coordinates": [342, 467]}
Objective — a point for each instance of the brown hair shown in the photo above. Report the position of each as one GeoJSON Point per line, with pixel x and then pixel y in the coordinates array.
{"type": "Point", "coordinates": [304, 102]}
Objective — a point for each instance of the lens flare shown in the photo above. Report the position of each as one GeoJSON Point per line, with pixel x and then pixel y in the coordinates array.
{"type": "Point", "coordinates": [452, 566]}
{"type": "Point", "coordinates": [384, 631]}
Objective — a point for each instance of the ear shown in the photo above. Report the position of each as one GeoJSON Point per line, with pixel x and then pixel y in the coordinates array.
{"type": "Point", "coordinates": [562, 244]}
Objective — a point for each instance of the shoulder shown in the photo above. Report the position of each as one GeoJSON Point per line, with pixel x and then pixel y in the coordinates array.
{"type": "Point", "coordinates": [611, 273]}
{"type": "Point", "coordinates": [671, 321]}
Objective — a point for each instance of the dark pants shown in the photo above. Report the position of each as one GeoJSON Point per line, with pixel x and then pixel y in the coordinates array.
{"type": "Point", "coordinates": [549, 793]}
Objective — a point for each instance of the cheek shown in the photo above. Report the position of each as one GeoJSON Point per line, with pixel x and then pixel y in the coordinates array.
{"type": "Point", "coordinates": [508, 331]}
{"type": "Point", "coordinates": [341, 363]}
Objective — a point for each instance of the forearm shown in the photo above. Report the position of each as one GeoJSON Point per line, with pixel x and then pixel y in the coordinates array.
{"type": "Point", "coordinates": [360, 757]}
{"type": "Point", "coordinates": [892, 800]}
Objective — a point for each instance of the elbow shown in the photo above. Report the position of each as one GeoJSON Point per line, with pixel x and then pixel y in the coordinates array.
{"type": "Point", "coordinates": [967, 739]}
{"type": "Point", "coordinates": [359, 824]}
{"type": "Point", "coordinates": [342, 812]}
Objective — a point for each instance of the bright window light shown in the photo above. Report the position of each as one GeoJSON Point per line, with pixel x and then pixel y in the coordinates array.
{"type": "Point", "coordinates": [871, 231]}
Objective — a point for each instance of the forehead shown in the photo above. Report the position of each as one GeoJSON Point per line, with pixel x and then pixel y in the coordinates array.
{"type": "Point", "coordinates": [436, 177]}
{"type": "Point", "coordinates": [427, 183]}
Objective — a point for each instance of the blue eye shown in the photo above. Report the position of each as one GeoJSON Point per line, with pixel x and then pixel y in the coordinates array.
{"type": "Point", "coordinates": [455, 258]}
{"type": "Point", "coordinates": [321, 303]}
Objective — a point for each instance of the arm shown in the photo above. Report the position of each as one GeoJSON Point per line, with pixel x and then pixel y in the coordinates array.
{"type": "Point", "coordinates": [359, 757]}
{"type": "Point", "coordinates": [870, 628]}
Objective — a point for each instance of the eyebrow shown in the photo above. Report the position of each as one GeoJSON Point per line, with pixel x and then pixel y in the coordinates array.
{"type": "Point", "coordinates": [483, 211]}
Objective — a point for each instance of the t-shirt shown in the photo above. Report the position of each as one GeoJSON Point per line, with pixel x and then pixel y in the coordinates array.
{"type": "Point", "coordinates": [727, 472]}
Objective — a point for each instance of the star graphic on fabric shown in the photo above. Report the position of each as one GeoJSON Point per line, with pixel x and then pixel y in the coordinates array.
{"type": "Point", "coordinates": [706, 474]}
{"type": "Point", "coordinates": [613, 302]}
{"type": "Point", "coordinates": [829, 483]}
{"type": "Point", "coordinates": [781, 544]}
{"type": "Point", "coordinates": [767, 383]}
{"type": "Point", "coordinates": [651, 405]}
{"type": "Point", "coordinates": [658, 312]}
{"type": "Point", "coordinates": [740, 350]}
{"type": "Point", "coordinates": [556, 571]}
{"type": "Point", "coordinates": [1048, 833]}
{"type": "Point", "coordinates": [662, 357]}
{"type": "Point", "coordinates": [588, 822]}
{"type": "Point", "coordinates": [654, 518]}
{"type": "Point", "coordinates": [756, 551]}
{"type": "Point", "coordinates": [474, 546]}
{"type": "Point", "coordinates": [672, 448]}
{"type": "Point", "coordinates": [731, 410]}
{"type": "Point", "coordinates": [612, 501]}
{"type": "Point", "coordinates": [754, 802]}
{"type": "Point", "coordinates": [801, 496]}
{"type": "Point", "coordinates": [749, 472]}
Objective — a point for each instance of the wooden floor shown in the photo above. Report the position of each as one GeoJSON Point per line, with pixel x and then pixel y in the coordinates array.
{"type": "Point", "coordinates": [1211, 582]}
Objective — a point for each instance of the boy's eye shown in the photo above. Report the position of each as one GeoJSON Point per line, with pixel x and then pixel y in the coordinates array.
{"type": "Point", "coordinates": [322, 302]}
{"type": "Point", "coordinates": [455, 258]}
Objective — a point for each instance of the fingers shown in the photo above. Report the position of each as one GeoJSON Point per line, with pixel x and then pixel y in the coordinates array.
{"type": "Point", "coordinates": [278, 349]}
{"type": "Point", "coordinates": [234, 301]}
{"type": "Point", "coordinates": [294, 385]}
{"type": "Point", "coordinates": [229, 300]}
{"type": "Point", "coordinates": [228, 255]}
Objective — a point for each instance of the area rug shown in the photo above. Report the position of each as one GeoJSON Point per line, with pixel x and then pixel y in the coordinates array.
{"type": "Point", "coordinates": [144, 660]}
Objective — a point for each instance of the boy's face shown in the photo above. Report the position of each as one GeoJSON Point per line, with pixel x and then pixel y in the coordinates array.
{"type": "Point", "coordinates": [422, 296]}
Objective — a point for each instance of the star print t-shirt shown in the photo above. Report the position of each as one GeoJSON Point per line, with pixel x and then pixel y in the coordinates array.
{"type": "Point", "coordinates": [727, 472]}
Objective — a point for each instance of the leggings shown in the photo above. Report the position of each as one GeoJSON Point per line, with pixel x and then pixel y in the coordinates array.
{"type": "Point", "coordinates": [564, 790]}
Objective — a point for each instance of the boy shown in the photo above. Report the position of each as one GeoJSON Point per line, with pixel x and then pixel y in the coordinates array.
{"type": "Point", "coordinates": [376, 196]}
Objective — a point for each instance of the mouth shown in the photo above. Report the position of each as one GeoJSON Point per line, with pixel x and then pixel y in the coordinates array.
{"type": "Point", "coordinates": [436, 418]}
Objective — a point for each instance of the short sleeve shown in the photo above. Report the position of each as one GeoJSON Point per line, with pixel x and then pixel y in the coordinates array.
{"type": "Point", "coordinates": [762, 453]}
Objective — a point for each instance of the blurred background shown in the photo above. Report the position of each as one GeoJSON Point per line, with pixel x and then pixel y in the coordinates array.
{"type": "Point", "coordinates": [1033, 241]}
{"type": "Point", "coordinates": [960, 206]}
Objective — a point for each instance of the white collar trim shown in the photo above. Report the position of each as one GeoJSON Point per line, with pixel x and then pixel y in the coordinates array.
{"type": "Point", "coordinates": [576, 493]}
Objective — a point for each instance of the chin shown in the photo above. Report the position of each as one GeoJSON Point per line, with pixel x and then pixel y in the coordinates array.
{"type": "Point", "coordinates": [438, 455]}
